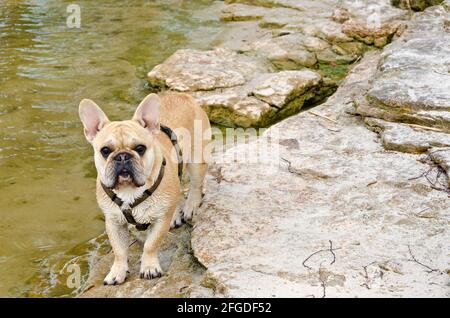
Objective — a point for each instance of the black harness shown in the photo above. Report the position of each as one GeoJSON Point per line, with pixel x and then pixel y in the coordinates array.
{"type": "Point", "coordinates": [127, 212]}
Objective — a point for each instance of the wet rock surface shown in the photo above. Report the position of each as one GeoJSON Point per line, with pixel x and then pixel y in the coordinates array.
{"type": "Point", "coordinates": [182, 277]}
{"type": "Point", "coordinates": [286, 226]}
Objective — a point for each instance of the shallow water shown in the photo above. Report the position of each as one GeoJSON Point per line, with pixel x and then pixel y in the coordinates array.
{"type": "Point", "coordinates": [47, 202]}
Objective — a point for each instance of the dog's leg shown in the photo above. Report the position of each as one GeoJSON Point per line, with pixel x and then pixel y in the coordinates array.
{"type": "Point", "coordinates": [197, 173]}
{"type": "Point", "coordinates": [177, 220]}
{"type": "Point", "coordinates": [118, 237]}
{"type": "Point", "coordinates": [150, 267]}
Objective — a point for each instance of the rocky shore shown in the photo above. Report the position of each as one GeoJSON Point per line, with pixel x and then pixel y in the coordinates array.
{"type": "Point", "coordinates": [274, 57]}
{"type": "Point", "coordinates": [356, 201]}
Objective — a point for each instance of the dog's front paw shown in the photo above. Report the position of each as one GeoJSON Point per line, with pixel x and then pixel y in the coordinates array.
{"type": "Point", "coordinates": [151, 270]}
{"type": "Point", "coordinates": [190, 207]}
{"type": "Point", "coordinates": [177, 220]}
{"type": "Point", "coordinates": [117, 275]}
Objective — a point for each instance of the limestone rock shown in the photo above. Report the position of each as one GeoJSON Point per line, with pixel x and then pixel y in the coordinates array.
{"type": "Point", "coordinates": [413, 81]}
{"type": "Point", "coordinates": [236, 90]}
{"type": "Point", "coordinates": [242, 12]}
{"type": "Point", "coordinates": [417, 5]}
{"type": "Point", "coordinates": [406, 138]}
{"type": "Point", "coordinates": [302, 5]}
{"type": "Point", "coordinates": [278, 89]}
{"type": "Point", "coordinates": [286, 52]}
{"type": "Point", "coordinates": [373, 11]}
{"type": "Point", "coordinates": [260, 225]}
{"type": "Point", "coordinates": [319, 20]}
{"type": "Point", "coordinates": [340, 15]}
{"type": "Point", "coordinates": [378, 35]}
{"type": "Point", "coordinates": [232, 107]}
{"type": "Point", "coordinates": [304, 34]}
{"type": "Point", "coordinates": [441, 156]}
{"type": "Point", "coordinates": [191, 70]}
{"type": "Point", "coordinates": [182, 274]}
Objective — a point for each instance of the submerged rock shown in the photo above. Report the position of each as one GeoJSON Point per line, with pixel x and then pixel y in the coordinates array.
{"type": "Point", "coordinates": [285, 226]}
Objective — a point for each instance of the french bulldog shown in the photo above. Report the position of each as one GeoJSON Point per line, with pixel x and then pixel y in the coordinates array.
{"type": "Point", "coordinates": [133, 156]}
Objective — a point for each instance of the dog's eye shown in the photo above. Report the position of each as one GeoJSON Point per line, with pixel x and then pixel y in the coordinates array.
{"type": "Point", "coordinates": [140, 149]}
{"type": "Point", "coordinates": [105, 151]}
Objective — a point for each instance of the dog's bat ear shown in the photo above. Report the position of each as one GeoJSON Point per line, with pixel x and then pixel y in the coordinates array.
{"type": "Point", "coordinates": [147, 113]}
{"type": "Point", "coordinates": [92, 117]}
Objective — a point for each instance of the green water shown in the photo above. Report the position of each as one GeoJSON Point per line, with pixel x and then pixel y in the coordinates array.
{"type": "Point", "coordinates": [47, 202]}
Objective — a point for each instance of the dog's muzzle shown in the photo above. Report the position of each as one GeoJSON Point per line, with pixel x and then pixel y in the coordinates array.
{"type": "Point", "coordinates": [123, 165]}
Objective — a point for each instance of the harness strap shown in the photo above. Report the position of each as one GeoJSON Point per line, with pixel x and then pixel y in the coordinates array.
{"type": "Point", "coordinates": [127, 213]}
{"type": "Point", "coordinates": [173, 138]}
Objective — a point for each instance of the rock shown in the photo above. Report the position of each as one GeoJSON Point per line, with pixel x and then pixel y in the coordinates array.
{"type": "Point", "coordinates": [285, 226]}
{"type": "Point", "coordinates": [232, 107]}
{"type": "Point", "coordinates": [183, 275]}
{"type": "Point", "coordinates": [304, 34]}
{"type": "Point", "coordinates": [286, 48]}
{"type": "Point", "coordinates": [372, 22]}
{"type": "Point", "coordinates": [235, 89]}
{"type": "Point", "coordinates": [191, 70]}
{"type": "Point", "coordinates": [378, 35]}
{"type": "Point", "coordinates": [416, 5]}
{"type": "Point", "coordinates": [242, 12]}
{"type": "Point", "coordinates": [340, 15]}
{"type": "Point", "coordinates": [406, 138]}
{"type": "Point", "coordinates": [373, 11]}
{"type": "Point", "coordinates": [292, 4]}
{"type": "Point", "coordinates": [286, 52]}
{"type": "Point", "coordinates": [423, 52]}
{"type": "Point", "coordinates": [441, 156]}
{"type": "Point", "coordinates": [279, 89]}
{"type": "Point", "coordinates": [311, 207]}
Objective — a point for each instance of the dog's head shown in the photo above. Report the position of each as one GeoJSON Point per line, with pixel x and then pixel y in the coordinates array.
{"type": "Point", "coordinates": [123, 150]}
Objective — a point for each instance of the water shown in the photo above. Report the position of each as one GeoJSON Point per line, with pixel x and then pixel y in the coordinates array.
{"type": "Point", "coordinates": [47, 202]}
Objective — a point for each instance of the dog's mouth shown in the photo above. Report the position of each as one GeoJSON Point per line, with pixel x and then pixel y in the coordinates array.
{"type": "Point", "coordinates": [125, 177]}
{"type": "Point", "coordinates": [124, 174]}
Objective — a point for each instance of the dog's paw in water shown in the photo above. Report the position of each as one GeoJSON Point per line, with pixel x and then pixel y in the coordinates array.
{"type": "Point", "coordinates": [116, 276]}
{"type": "Point", "coordinates": [150, 270]}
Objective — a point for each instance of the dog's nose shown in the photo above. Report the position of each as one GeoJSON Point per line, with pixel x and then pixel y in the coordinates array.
{"type": "Point", "coordinates": [123, 156]}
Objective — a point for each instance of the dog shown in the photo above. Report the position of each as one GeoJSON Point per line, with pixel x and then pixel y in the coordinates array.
{"type": "Point", "coordinates": [139, 165]}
